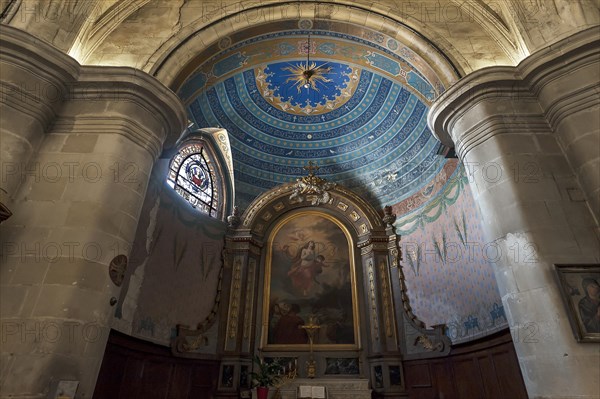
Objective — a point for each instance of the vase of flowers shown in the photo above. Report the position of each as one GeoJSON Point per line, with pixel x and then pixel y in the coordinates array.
{"type": "Point", "coordinates": [267, 374]}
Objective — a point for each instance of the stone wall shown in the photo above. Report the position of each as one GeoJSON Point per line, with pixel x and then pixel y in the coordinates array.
{"type": "Point", "coordinates": [447, 260]}
{"type": "Point", "coordinates": [174, 269]}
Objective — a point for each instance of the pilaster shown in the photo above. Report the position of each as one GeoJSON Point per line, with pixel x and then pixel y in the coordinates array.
{"type": "Point", "coordinates": [77, 188]}
{"type": "Point", "coordinates": [508, 126]}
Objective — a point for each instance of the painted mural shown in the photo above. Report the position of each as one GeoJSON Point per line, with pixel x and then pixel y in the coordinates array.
{"type": "Point", "coordinates": [447, 261]}
{"type": "Point", "coordinates": [364, 123]}
{"type": "Point", "coordinates": [310, 274]}
{"type": "Point", "coordinates": [176, 256]}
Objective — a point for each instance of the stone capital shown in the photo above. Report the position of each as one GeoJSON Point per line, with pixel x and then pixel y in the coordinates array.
{"type": "Point", "coordinates": [527, 96]}
{"type": "Point", "coordinates": [42, 83]}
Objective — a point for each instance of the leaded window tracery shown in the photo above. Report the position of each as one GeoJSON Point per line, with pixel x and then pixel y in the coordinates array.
{"type": "Point", "coordinates": [192, 175]}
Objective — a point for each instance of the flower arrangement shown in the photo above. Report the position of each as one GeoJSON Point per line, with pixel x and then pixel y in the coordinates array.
{"type": "Point", "coordinates": [266, 374]}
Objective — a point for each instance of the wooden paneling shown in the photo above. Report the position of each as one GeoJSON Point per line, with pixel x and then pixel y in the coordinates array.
{"type": "Point", "coordinates": [133, 369]}
{"type": "Point", "coordinates": [487, 368]}
{"type": "Point", "coordinates": [444, 386]}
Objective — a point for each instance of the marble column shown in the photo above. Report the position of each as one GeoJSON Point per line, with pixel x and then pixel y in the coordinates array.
{"type": "Point", "coordinates": [529, 137]}
{"type": "Point", "coordinates": [76, 174]}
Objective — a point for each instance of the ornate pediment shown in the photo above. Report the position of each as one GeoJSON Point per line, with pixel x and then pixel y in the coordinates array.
{"type": "Point", "coordinates": [311, 188]}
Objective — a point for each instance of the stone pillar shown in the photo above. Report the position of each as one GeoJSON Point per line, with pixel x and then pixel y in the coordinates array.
{"type": "Point", "coordinates": [76, 208]}
{"type": "Point", "coordinates": [239, 310]}
{"type": "Point", "coordinates": [508, 125]}
{"type": "Point", "coordinates": [34, 88]}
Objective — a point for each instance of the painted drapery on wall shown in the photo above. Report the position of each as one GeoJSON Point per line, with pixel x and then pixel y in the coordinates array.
{"type": "Point", "coordinates": [447, 260]}
{"type": "Point", "coordinates": [176, 255]}
{"type": "Point", "coordinates": [310, 272]}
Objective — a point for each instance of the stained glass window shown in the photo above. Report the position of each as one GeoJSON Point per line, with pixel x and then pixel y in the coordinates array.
{"type": "Point", "coordinates": [191, 175]}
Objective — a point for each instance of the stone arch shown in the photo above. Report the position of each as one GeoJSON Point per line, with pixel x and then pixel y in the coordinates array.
{"type": "Point", "coordinates": [215, 143]}
{"type": "Point", "coordinates": [175, 59]}
{"type": "Point", "coordinates": [355, 212]}
{"type": "Point", "coordinates": [388, 331]}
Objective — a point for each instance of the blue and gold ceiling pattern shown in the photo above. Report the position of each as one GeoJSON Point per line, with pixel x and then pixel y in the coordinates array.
{"type": "Point", "coordinates": [364, 125]}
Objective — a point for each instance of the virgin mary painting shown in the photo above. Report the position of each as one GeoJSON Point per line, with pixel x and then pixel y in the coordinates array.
{"type": "Point", "coordinates": [310, 272]}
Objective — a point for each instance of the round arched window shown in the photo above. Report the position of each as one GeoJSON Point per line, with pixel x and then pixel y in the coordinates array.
{"type": "Point", "coordinates": [191, 175]}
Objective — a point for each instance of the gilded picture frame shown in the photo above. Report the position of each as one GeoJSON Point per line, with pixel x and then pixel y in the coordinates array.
{"type": "Point", "coordinates": [310, 274]}
{"type": "Point", "coordinates": [580, 290]}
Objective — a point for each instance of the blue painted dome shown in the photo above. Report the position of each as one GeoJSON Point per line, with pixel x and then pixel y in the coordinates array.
{"type": "Point", "coordinates": [363, 122]}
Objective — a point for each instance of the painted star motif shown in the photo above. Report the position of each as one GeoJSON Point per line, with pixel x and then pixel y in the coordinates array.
{"type": "Point", "coordinates": [305, 73]}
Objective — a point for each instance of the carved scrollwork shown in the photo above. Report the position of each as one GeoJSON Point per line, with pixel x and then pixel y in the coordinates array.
{"type": "Point", "coordinates": [428, 345]}
{"type": "Point", "coordinates": [311, 188]}
{"type": "Point", "coordinates": [234, 219]}
{"type": "Point", "coordinates": [181, 344]}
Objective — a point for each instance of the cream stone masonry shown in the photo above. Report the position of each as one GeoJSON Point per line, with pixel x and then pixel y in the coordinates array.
{"type": "Point", "coordinates": [528, 175]}
{"type": "Point", "coordinates": [177, 53]}
{"type": "Point", "coordinates": [557, 88]}
{"type": "Point", "coordinates": [34, 80]}
{"type": "Point", "coordinates": [81, 171]}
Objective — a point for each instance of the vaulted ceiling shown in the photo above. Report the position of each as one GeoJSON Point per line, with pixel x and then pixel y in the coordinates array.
{"type": "Point", "coordinates": [229, 61]}
{"type": "Point", "coordinates": [364, 123]}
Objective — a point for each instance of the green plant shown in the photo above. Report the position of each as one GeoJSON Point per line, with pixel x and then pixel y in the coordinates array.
{"type": "Point", "coordinates": [267, 373]}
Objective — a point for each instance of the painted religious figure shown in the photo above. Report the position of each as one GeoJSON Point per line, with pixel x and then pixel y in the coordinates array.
{"type": "Point", "coordinates": [310, 272]}
{"type": "Point", "coordinates": [305, 268]}
{"type": "Point", "coordinates": [589, 305]}
{"type": "Point", "coordinates": [580, 288]}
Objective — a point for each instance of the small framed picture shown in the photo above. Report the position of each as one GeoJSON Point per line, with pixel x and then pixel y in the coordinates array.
{"type": "Point", "coordinates": [580, 291]}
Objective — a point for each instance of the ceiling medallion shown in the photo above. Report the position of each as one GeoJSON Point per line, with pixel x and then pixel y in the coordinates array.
{"type": "Point", "coordinates": [306, 75]}
{"type": "Point", "coordinates": [311, 188]}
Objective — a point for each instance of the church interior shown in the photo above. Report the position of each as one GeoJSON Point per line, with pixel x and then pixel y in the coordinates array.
{"type": "Point", "coordinates": [384, 198]}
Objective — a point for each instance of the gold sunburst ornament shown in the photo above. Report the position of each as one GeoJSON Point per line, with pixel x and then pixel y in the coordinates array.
{"type": "Point", "coordinates": [307, 75]}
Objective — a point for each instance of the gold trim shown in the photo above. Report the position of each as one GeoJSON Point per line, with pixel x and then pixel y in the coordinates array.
{"type": "Point", "coordinates": [248, 310]}
{"type": "Point", "coordinates": [267, 293]}
{"type": "Point", "coordinates": [235, 298]}
{"type": "Point", "coordinates": [385, 293]}
{"type": "Point", "coordinates": [373, 299]}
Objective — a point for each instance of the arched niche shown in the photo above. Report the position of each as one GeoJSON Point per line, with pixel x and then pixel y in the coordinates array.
{"type": "Point", "coordinates": [386, 331]}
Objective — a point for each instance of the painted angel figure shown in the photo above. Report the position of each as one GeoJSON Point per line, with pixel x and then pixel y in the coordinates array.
{"type": "Point", "coordinates": [306, 265]}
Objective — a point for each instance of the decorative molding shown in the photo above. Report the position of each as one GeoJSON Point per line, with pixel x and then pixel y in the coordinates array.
{"type": "Point", "coordinates": [183, 52]}
{"type": "Point", "coordinates": [373, 300]}
{"type": "Point", "coordinates": [249, 300]}
{"type": "Point", "coordinates": [109, 124]}
{"type": "Point", "coordinates": [313, 189]}
{"type": "Point", "coordinates": [234, 300]}
{"type": "Point", "coordinates": [32, 54]}
{"type": "Point", "coordinates": [428, 345]}
{"type": "Point", "coordinates": [37, 69]}
{"type": "Point", "coordinates": [180, 344]}
{"type": "Point", "coordinates": [367, 221]}
{"type": "Point", "coordinates": [579, 100]}
{"type": "Point", "coordinates": [386, 298]}
{"type": "Point", "coordinates": [525, 83]}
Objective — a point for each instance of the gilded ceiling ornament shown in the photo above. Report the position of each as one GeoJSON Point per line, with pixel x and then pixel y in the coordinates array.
{"type": "Point", "coordinates": [305, 75]}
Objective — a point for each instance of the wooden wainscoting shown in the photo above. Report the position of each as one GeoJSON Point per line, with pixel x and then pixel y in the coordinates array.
{"type": "Point", "coordinates": [133, 368]}
{"type": "Point", "coordinates": [486, 368]}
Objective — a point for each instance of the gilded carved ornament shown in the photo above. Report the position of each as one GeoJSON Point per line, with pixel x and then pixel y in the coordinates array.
{"type": "Point", "coordinates": [311, 188]}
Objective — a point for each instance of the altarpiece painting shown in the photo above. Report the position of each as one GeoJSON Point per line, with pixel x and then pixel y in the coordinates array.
{"type": "Point", "coordinates": [580, 291]}
{"type": "Point", "coordinates": [310, 276]}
